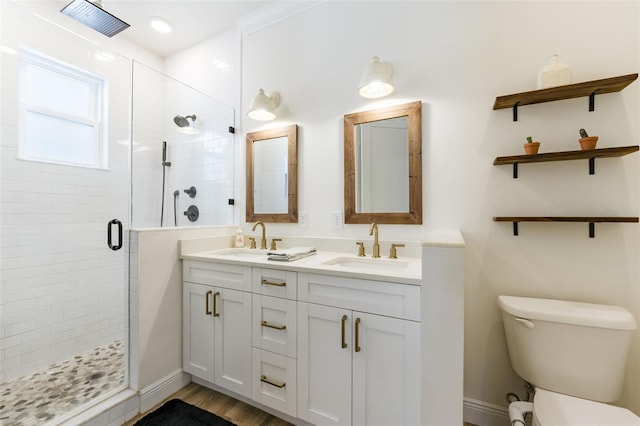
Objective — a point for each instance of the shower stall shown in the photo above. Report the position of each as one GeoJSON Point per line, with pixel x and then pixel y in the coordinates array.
{"type": "Point", "coordinates": [81, 164]}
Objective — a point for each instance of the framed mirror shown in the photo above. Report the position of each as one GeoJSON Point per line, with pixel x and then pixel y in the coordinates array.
{"type": "Point", "coordinates": [383, 165]}
{"type": "Point", "coordinates": [272, 175]}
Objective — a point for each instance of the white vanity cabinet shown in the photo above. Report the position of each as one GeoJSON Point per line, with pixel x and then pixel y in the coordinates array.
{"type": "Point", "coordinates": [217, 324]}
{"type": "Point", "coordinates": [358, 351]}
{"type": "Point", "coordinates": [275, 339]}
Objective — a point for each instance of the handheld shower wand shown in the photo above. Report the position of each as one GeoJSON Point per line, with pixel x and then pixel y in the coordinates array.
{"type": "Point", "coordinates": [164, 155]}
{"type": "Point", "coordinates": [176, 193]}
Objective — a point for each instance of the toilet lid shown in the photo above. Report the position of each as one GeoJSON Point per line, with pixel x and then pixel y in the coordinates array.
{"type": "Point", "coordinates": [554, 409]}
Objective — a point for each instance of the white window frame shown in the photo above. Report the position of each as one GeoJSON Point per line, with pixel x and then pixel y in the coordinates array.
{"type": "Point", "coordinates": [98, 108]}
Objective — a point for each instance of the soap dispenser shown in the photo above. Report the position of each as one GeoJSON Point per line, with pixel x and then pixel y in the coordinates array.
{"type": "Point", "coordinates": [239, 243]}
{"type": "Point", "coordinates": [554, 74]}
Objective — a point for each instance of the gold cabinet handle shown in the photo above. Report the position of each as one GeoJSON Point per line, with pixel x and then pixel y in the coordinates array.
{"type": "Point", "coordinates": [264, 378]}
{"type": "Point", "coordinates": [357, 344]}
{"type": "Point", "coordinates": [343, 322]}
{"type": "Point", "coordinates": [274, 283]}
{"type": "Point", "coordinates": [276, 326]}
{"type": "Point", "coordinates": [215, 304]}
{"type": "Point", "coordinates": [207, 311]}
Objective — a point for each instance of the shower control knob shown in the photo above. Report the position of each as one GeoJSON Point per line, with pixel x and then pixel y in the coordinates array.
{"type": "Point", "coordinates": [192, 213]}
{"type": "Point", "coordinates": [191, 191]}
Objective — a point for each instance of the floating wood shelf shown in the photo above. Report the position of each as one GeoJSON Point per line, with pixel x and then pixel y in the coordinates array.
{"type": "Point", "coordinates": [591, 220]}
{"type": "Point", "coordinates": [577, 90]}
{"type": "Point", "coordinates": [590, 155]}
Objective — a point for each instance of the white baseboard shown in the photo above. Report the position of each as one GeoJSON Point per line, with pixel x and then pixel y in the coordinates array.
{"type": "Point", "coordinates": [482, 413]}
{"type": "Point", "coordinates": [162, 389]}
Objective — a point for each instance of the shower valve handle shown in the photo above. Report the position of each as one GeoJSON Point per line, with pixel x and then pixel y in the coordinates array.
{"type": "Point", "coordinates": [192, 213]}
{"type": "Point", "coordinates": [191, 191]}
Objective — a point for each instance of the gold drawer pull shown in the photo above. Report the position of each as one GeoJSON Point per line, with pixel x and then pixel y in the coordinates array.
{"type": "Point", "coordinates": [264, 378]}
{"type": "Point", "coordinates": [274, 283]}
{"type": "Point", "coordinates": [277, 327]}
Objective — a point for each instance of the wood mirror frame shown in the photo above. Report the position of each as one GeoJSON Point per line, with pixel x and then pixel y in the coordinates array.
{"type": "Point", "coordinates": [414, 216]}
{"type": "Point", "coordinates": [291, 132]}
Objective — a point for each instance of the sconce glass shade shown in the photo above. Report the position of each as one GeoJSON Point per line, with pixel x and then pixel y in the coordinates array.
{"type": "Point", "coordinates": [263, 107]}
{"type": "Point", "coordinates": [376, 81]}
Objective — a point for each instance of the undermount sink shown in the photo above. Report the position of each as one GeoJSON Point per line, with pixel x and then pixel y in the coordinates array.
{"type": "Point", "coordinates": [368, 263]}
{"type": "Point", "coordinates": [240, 252]}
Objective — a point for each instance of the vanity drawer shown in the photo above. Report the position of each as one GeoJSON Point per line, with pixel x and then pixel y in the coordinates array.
{"type": "Point", "coordinates": [376, 297]}
{"type": "Point", "coordinates": [274, 381]}
{"type": "Point", "coordinates": [274, 324]}
{"type": "Point", "coordinates": [217, 274]}
{"type": "Point", "coordinates": [275, 282]}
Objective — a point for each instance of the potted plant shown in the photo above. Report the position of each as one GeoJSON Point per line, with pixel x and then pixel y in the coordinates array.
{"type": "Point", "coordinates": [531, 147]}
{"type": "Point", "coordinates": [586, 141]}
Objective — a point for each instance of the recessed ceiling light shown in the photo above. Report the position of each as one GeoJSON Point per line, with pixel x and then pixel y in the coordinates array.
{"type": "Point", "coordinates": [221, 64]}
{"type": "Point", "coordinates": [161, 25]}
{"type": "Point", "coordinates": [103, 56]}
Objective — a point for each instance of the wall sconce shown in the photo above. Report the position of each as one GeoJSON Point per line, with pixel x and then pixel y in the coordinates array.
{"type": "Point", "coordinates": [376, 81]}
{"type": "Point", "coordinates": [263, 107]}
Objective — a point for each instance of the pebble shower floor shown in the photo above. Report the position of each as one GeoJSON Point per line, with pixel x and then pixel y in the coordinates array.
{"type": "Point", "coordinates": [40, 397]}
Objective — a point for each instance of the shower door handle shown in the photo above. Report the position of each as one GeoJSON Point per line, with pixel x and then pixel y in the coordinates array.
{"type": "Point", "coordinates": [117, 246]}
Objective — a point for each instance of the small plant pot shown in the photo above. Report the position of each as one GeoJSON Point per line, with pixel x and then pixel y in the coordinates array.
{"type": "Point", "coordinates": [588, 143]}
{"type": "Point", "coordinates": [531, 148]}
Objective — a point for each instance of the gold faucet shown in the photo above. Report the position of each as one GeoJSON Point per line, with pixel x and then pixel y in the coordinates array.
{"type": "Point", "coordinates": [376, 245]}
{"type": "Point", "coordinates": [263, 240]}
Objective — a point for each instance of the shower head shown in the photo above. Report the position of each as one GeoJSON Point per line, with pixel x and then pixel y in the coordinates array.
{"type": "Point", "coordinates": [182, 121]}
{"type": "Point", "coordinates": [93, 16]}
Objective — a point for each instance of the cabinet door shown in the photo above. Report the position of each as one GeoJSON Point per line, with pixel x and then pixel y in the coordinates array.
{"type": "Point", "coordinates": [233, 340]}
{"type": "Point", "coordinates": [386, 371]}
{"type": "Point", "coordinates": [324, 364]}
{"type": "Point", "coordinates": [197, 330]}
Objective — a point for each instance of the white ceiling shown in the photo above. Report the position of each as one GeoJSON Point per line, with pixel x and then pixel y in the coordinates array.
{"type": "Point", "coordinates": [193, 20]}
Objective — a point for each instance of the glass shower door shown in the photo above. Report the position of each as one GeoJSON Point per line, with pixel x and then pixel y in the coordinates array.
{"type": "Point", "coordinates": [65, 205]}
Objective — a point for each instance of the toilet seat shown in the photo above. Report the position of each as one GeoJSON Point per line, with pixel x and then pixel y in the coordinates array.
{"type": "Point", "coordinates": [554, 409]}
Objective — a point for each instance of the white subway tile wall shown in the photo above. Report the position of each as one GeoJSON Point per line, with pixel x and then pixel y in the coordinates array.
{"type": "Point", "coordinates": [62, 288]}
{"type": "Point", "coordinates": [204, 160]}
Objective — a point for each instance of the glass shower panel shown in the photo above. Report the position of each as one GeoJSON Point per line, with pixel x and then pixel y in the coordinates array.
{"type": "Point", "coordinates": [199, 156]}
{"type": "Point", "coordinates": [63, 291]}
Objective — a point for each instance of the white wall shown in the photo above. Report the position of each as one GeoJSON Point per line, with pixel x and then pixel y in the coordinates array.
{"type": "Point", "coordinates": [457, 57]}
{"type": "Point", "coordinates": [213, 67]}
{"type": "Point", "coordinates": [156, 295]}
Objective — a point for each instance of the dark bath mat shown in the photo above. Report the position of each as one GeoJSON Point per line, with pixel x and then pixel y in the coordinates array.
{"type": "Point", "coordinates": [178, 413]}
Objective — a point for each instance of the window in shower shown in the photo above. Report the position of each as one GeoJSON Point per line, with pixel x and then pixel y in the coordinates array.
{"type": "Point", "coordinates": [61, 112]}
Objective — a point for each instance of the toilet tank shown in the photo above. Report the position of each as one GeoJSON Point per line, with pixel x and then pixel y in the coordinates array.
{"type": "Point", "coordinates": [574, 348]}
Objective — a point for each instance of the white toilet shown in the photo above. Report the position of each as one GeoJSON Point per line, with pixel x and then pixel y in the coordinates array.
{"type": "Point", "coordinates": [575, 356]}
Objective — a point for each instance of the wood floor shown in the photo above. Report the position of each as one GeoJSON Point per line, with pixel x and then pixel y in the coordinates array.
{"type": "Point", "coordinates": [224, 406]}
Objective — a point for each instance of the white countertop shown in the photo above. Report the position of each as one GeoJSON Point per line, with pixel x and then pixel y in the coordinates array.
{"type": "Point", "coordinates": [403, 270]}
